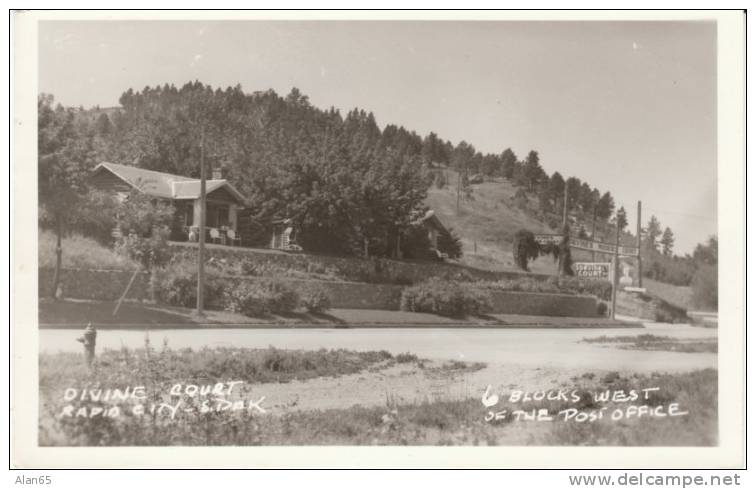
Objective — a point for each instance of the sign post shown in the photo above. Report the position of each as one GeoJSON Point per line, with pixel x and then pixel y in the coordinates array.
{"type": "Point", "coordinates": [564, 207]}
{"type": "Point", "coordinates": [615, 264]}
{"type": "Point", "coordinates": [201, 259]}
{"type": "Point", "coordinates": [640, 260]}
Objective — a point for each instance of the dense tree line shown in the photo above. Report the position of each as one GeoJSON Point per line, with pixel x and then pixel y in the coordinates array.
{"type": "Point", "coordinates": [349, 184]}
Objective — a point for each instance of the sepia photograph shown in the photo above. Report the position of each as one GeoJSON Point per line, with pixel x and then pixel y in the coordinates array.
{"type": "Point", "coordinates": [393, 233]}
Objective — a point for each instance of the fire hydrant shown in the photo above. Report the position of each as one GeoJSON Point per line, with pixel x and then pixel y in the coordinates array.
{"type": "Point", "coordinates": [89, 339]}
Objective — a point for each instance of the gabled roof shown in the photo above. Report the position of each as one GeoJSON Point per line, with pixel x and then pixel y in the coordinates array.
{"type": "Point", "coordinates": [191, 189]}
{"type": "Point", "coordinates": [166, 185]}
{"type": "Point", "coordinates": [430, 218]}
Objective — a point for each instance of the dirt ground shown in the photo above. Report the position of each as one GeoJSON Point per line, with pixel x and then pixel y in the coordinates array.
{"type": "Point", "coordinates": [404, 384]}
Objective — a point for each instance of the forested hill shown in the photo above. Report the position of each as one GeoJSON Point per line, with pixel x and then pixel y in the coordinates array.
{"type": "Point", "coordinates": [345, 180]}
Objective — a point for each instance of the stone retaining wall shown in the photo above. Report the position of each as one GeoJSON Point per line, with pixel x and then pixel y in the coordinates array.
{"type": "Point", "coordinates": [373, 270]}
{"type": "Point", "coordinates": [346, 295]}
{"type": "Point", "coordinates": [110, 284]}
{"type": "Point", "coordinates": [537, 304]}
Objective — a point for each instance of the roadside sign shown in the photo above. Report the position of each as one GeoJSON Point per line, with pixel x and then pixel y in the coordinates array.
{"type": "Point", "coordinates": [545, 239]}
{"type": "Point", "coordinates": [592, 270]}
{"type": "Point", "coordinates": [587, 244]}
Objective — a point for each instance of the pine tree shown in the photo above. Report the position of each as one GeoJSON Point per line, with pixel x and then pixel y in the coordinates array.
{"type": "Point", "coordinates": [667, 242]}
{"type": "Point", "coordinates": [605, 206]}
{"type": "Point", "coordinates": [621, 218]}
{"type": "Point", "coordinates": [533, 173]}
{"type": "Point", "coordinates": [508, 163]}
{"type": "Point", "coordinates": [573, 193]}
{"type": "Point", "coordinates": [652, 232]}
{"type": "Point", "coordinates": [555, 191]}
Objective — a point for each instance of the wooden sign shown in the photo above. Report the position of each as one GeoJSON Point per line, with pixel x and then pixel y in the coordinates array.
{"type": "Point", "coordinates": [592, 270]}
{"type": "Point", "coordinates": [546, 239]}
{"type": "Point", "coordinates": [587, 244]}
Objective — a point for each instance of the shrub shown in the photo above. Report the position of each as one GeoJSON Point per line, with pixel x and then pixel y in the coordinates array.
{"type": "Point", "coordinates": [140, 213]}
{"type": "Point", "coordinates": [521, 199]}
{"type": "Point", "coordinates": [602, 309]}
{"type": "Point", "coordinates": [176, 284]}
{"type": "Point", "coordinates": [406, 358]}
{"type": "Point", "coordinates": [524, 248]}
{"type": "Point", "coordinates": [260, 297]}
{"type": "Point", "coordinates": [600, 288]}
{"type": "Point", "coordinates": [150, 251]}
{"type": "Point", "coordinates": [445, 298]}
{"type": "Point", "coordinates": [705, 287]}
{"type": "Point", "coordinates": [96, 216]}
{"type": "Point", "coordinates": [314, 299]}
{"type": "Point", "coordinates": [664, 312]}
{"type": "Point", "coordinates": [554, 285]}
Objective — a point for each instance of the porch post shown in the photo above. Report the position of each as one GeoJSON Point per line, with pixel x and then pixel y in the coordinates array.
{"type": "Point", "coordinates": [196, 215]}
{"type": "Point", "coordinates": [232, 216]}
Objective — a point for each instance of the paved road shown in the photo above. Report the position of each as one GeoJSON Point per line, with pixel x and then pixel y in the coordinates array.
{"type": "Point", "coordinates": [524, 347]}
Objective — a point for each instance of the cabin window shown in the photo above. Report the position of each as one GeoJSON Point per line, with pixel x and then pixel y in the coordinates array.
{"type": "Point", "coordinates": [217, 215]}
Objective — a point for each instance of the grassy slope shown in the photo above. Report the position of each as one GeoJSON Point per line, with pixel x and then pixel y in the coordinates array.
{"type": "Point", "coordinates": [80, 252]}
{"type": "Point", "coordinates": [681, 296]}
{"type": "Point", "coordinates": [490, 220]}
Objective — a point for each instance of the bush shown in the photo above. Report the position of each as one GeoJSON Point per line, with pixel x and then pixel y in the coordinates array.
{"type": "Point", "coordinates": [664, 312]}
{"type": "Point", "coordinates": [554, 285]}
{"type": "Point", "coordinates": [150, 251]}
{"type": "Point", "coordinates": [140, 213]}
{"type": "Point", "coordinates": [314, 299]}
{"type": "Point", "coordinates": [524, 248]}
{"type": "Point", "coordinates": [406, 358]}
{"type": "Point", "coordinates": [521, 199]}
{"type": "Point", "coordinates": [602, 309]}
{"type": "Point", "coordinates": [705, 287]}
{"type": "Point", "coordinates": [445, 298]}
{"type": "Point", "coordinates": [599, 288]}
{"type": "Point", "coordinates": [525, 284]}
{"type": "Point", "coordinates": [176, 284]}
{"type": "Point", "coordinates": [96, 216]}
{"type": "Point", "coordinates": [260, 297]}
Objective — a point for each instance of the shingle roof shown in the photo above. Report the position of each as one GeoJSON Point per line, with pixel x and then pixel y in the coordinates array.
{"type": "Point", "coordinates": [166, 185]}
{"type": "Point", "coordinates": [431, 218]}
{"type": "Point", "coordinates": [190, 189]}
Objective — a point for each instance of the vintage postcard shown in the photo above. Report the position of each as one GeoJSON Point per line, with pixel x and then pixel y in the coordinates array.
{"type": "Point", "coordinates": [378, 239]}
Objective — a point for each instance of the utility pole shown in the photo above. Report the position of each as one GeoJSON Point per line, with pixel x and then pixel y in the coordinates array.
{"type": "Point", "coordinates": [564, 207]}
{"type": "Point", "coordinates": [615, 270]}
{"type": "Point", "coordinates": [640, 260]}
{"type": "Point", "coordinates": [459, 185]}
{"type": "Point", "coordinates": [203, 204]}
{"type": "Point", "coordinates": [593, 231]}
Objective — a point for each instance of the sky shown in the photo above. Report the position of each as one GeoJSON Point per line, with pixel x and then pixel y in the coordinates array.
{"type": "Point", "coordinates": [629, 107]}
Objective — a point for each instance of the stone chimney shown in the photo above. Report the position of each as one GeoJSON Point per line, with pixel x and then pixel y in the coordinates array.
{"type": "Point", "coordinates": [218, 173]}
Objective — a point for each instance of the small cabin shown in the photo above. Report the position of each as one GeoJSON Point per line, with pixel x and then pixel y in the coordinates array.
{"type": "Point", "coordinates": [434, 227]}
{"type": "Point", "coordinates": [223, 201]}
